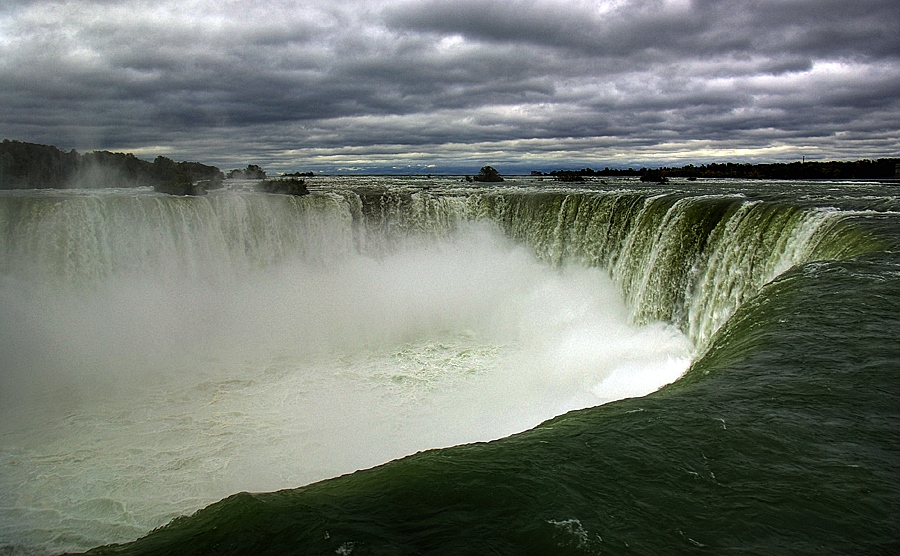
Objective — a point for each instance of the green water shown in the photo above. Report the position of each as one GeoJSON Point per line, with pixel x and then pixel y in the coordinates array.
{"type": "Point", "coordinates": [781, 438]}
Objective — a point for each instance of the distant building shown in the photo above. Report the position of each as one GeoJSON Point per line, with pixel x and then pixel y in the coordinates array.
{"type": "Point", "coordinates": [897, 170]}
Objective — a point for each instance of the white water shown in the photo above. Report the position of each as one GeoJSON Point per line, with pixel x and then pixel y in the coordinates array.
{"type": "Point", "coordinates": [141, 397]}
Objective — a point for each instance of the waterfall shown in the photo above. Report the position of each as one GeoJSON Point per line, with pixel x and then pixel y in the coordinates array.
{"type": "Point", "coordinates": [82, 237]}
{"type": "Point", "coordinates": [244, 341]}
{"type": "Point", "coordinates": [689, 260]}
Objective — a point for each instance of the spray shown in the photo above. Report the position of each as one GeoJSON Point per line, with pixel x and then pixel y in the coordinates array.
{"type": "Point", "coordinates": [260, 349]}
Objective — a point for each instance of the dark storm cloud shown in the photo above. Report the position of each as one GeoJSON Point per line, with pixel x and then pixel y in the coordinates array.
{"type": "Point", "coordinates": [669, 30]}
{"type": "Point", "coordinates": [365, 83]}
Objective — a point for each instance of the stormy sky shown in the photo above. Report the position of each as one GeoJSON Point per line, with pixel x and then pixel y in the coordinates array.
{"type": "Point", "coordinates": [449, 85]}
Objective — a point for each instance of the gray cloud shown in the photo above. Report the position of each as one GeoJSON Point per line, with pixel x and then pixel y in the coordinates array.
{"type": "Point", "coordinates": [373, 84]}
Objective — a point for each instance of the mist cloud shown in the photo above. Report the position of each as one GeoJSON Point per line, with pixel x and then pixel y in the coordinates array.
{"type": "Point", "coordinates": [369, 83]}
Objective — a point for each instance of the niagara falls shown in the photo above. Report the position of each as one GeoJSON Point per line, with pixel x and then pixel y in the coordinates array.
{"type": "Point", "coordinates": [163, 353]}
{"type": "Point", "coordinates": [430, 278]}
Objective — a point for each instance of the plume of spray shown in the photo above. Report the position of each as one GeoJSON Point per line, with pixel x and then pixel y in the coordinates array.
{"type": "Point", "coordinates": [295, 371]}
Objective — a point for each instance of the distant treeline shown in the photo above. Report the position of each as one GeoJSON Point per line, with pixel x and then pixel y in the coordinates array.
{"type": "Point", "coordinates": [859, 169]}
{"type": "Point", "coordinates": [32, 166]}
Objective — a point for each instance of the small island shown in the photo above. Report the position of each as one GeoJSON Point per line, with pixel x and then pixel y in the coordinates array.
{"type": "Point", "coordinates": [488, 174]}
{"type": "Point", "coordinates": [284, 186]}
{"type": "Point", "coordinates": [251, 172]}
{"type": "Point", "coordinates": [568, 176]}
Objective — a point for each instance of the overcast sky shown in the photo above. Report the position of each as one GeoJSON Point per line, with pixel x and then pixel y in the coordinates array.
{"type": "Point", "coordinates": [450, 85]}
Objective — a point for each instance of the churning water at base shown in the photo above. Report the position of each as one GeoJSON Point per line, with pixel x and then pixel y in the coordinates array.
{"type": "Point", "coordinates": [133, 396]}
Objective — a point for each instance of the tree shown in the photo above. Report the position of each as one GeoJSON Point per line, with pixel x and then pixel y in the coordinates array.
{"type": "Point", "coordinates": [251, 172]}
{"type": "Point", "coordinates": [488, 174]}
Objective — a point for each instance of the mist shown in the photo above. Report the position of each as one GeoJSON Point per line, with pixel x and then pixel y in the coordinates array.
{"type": "Point", "coordinates": [136, 396]}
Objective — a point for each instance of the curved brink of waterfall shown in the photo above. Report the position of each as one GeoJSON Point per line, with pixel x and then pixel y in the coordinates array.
{"type": "Point", "coordinates": [689, 260]}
